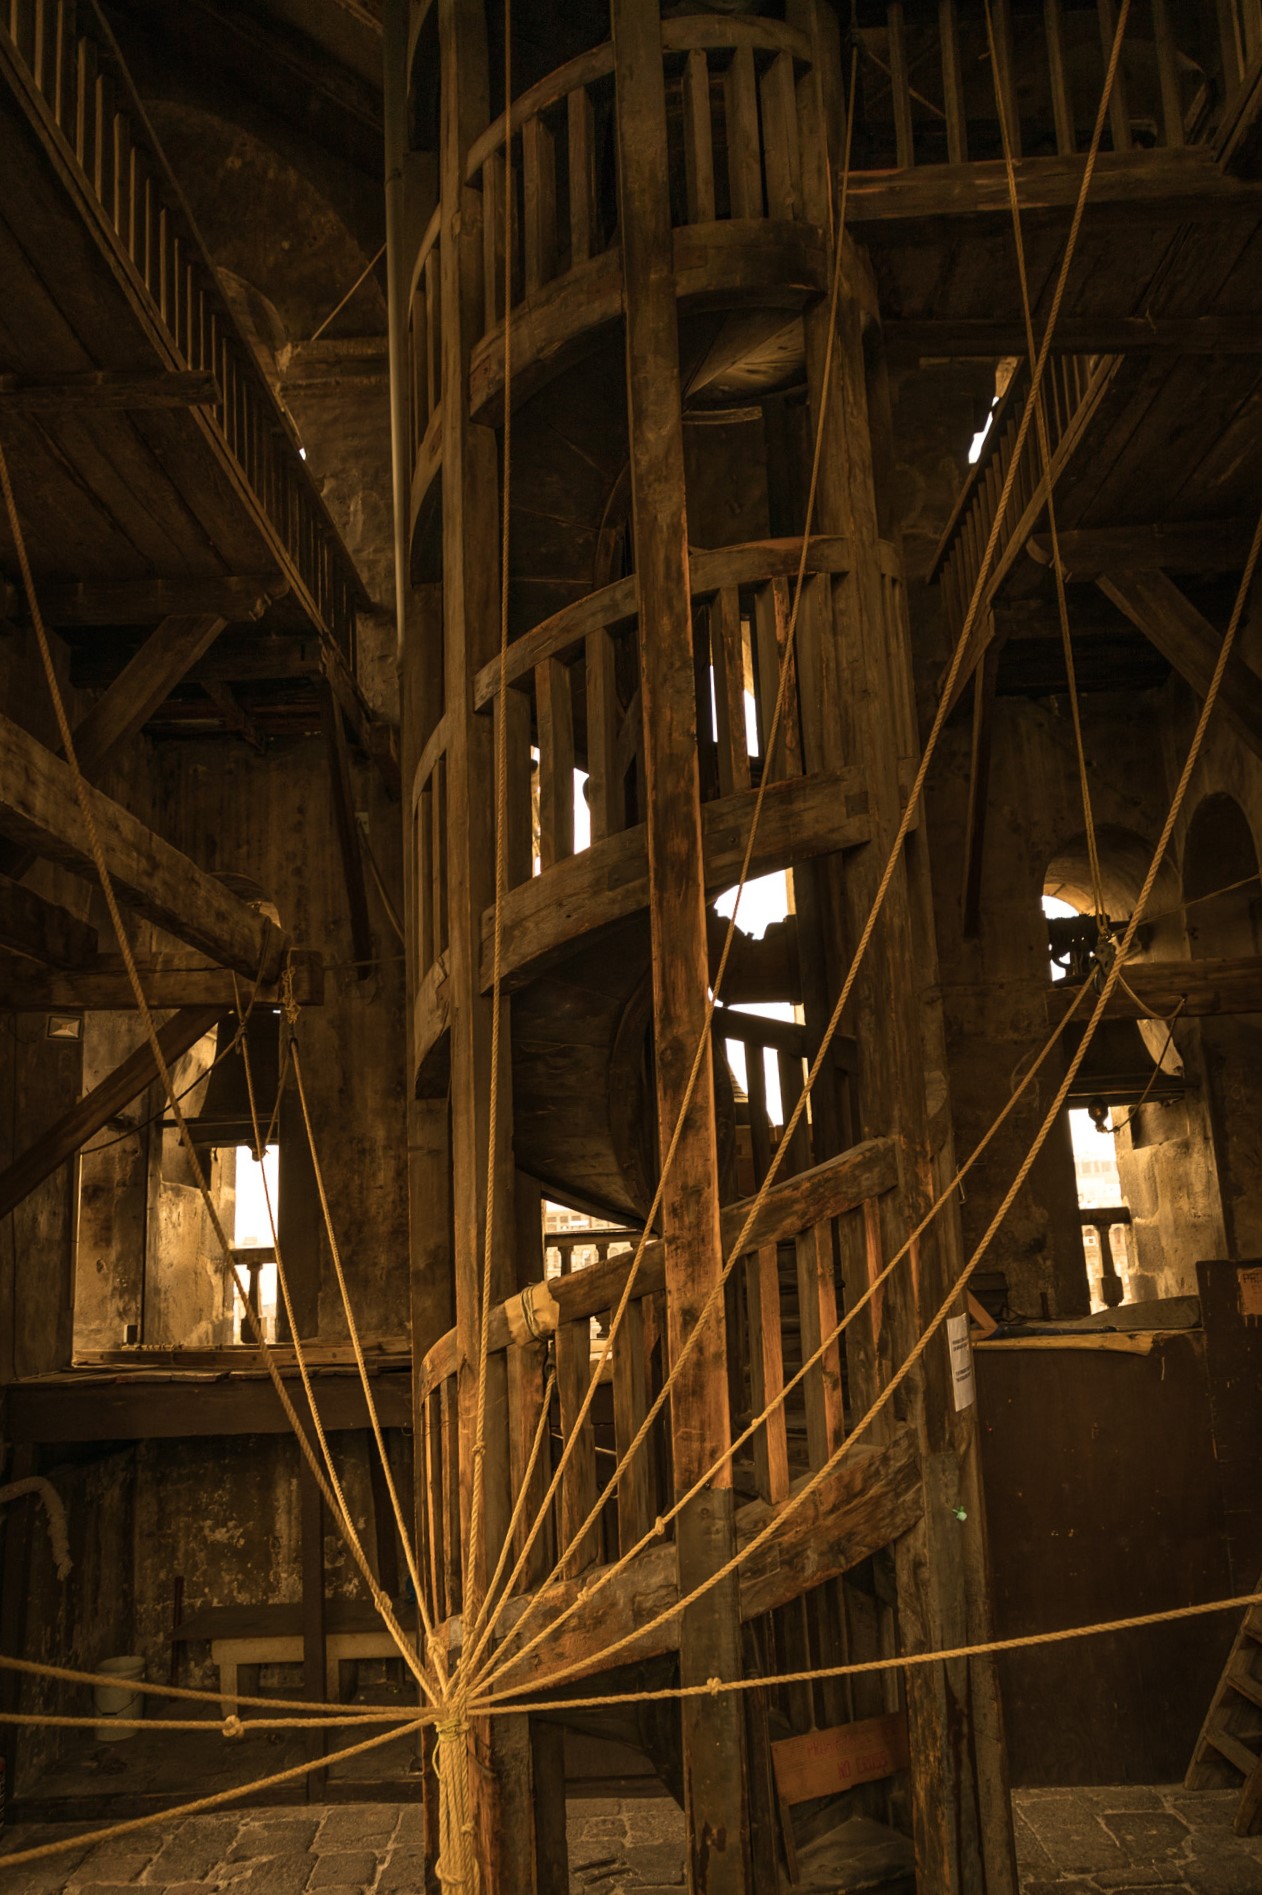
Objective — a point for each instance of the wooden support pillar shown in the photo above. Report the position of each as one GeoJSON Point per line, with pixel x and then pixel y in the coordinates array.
{"type": "Point", "coordinates": [960, 1815]}
{"type": "Point", "coordinates": [714, 1773]}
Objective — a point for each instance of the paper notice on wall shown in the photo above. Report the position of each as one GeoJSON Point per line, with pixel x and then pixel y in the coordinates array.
{"type": "Point", "coordinates": [961, 1362]}
{"type": "Point", "coordinates": [1250, 1293]}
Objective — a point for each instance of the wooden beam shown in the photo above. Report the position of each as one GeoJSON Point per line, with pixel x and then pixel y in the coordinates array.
{"type": "Point", "coordinates": [40, 811]}
{"type": "Point", "coordinates": [105, 389]}
{"type": "Point", "coordinates": [31, 925]}
{"type": "Point", "coordinates": [989, 337]}
{"type": "Point", "coordinates": [869, 1499]}
{"type": "Point", "coordinates": [1174, 546]}
{"type": "Point", "coordinates": [118, 1089]}
{"type": "Point", "coordinates": [715, 1802]}
{"type": "Point", "coordinates": [116, 1407]}
{"type": "Point", "coordinates": [234, 714]}
{"type": "Point", "coordinates": [163, 661]}
{"type": "Point", "coordinates": [148, 601]}
{"type": "Point", "coordinates": [236, 657]}
{"type": "Point", "coordinates": [1198, 988]}
{"type": "Point", "coordinates": [1187, 182]}
{"type": "Point", "coordinates": [346, 826]}
{"type": "Point", "coordinates": [104, 987]}
{"type": "Point", "coordinates": [1186, 638]}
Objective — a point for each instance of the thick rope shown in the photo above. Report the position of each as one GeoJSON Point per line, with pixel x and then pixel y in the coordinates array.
{"type": "Point", "coordinates": [901, 1661]}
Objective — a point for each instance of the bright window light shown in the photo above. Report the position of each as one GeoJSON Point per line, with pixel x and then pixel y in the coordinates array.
{"type": "Point", "coordinates": [764, 901]}
{"type": "Point", "coordinates": [975, 451]}
{"type": "Point", "coordinates": [252, 1229]}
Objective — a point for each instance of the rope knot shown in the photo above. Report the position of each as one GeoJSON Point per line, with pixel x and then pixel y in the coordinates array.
{"type": "Point", "coordinates": [232, 1726]}
{"type": "Point", "coordinates": [659, 1527]}
{"type": "Point", "coordinates": [714, 1686]}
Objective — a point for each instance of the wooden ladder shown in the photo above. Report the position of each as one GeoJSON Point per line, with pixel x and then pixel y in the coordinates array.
{"type": "Point", "coordinates": [1230, 1743]}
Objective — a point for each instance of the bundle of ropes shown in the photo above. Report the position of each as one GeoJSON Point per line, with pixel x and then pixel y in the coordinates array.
{"type": "Point", "coordinates": [479, 1684]}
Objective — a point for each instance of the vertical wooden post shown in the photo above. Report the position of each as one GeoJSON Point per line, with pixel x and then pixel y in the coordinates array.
{"type": "Point", "coordinates": [715, 1803]}
{"type": "Point", "coordinates": [504, 1795]}
{"type": "Point", "coordinates": [959, 1792]}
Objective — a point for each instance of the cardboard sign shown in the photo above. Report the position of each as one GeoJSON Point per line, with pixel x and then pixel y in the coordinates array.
{"type": "Point", "coordinates": [1250, 1282]}
{"type": "Point", "coordinates": [962, 1380]}
{"type": "Point", "coordinates": [823, 1762]}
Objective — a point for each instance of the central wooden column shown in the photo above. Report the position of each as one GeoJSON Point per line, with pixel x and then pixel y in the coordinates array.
{"type": "Point", "coordinates": [714, 1774]}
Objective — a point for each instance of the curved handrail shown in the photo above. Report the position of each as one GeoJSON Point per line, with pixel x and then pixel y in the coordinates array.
{"type": "Point", "coordinates": [838, 1185]}
{"type": "Point", "coordinates": [750, 563]}
{"type": "Point", "coordinates": [581, 71]}
{"type": "Point", "coordinates": [423, 249]}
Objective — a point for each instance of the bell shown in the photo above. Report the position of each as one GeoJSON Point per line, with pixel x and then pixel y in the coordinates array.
{"type": "Point", "coordinates": [1118, 1070]}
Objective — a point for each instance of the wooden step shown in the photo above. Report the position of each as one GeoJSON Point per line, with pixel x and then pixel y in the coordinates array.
{"type": "Point", "coordinates": [1242, 1681]}
{"type": "Point", "coordinates": [1237, 1753]}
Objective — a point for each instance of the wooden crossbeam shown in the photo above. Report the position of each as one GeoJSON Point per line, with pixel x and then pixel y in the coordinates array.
{"type": "Point", "coordinates": [31, 925]}
{"type": "Point", "coordinates": [103, 388]}
{"type": "Point", "coordinates": [118, 1089]}
{"type": "Point", "coordinates": [1184, 637]}
{"type": "Point", "coordinates": [39, 811]}
{"type": "Point", "coordinates": [102, 986]}
{"type": "Point", "coordinates": [165, 658]}
{"type": "Point", "coordinates": [1187, 181]}
{"type": "Point", "coordinates": [988, 337]}
{"type": "Point", "coordinates": [1173, 546]}
{"type": "Point", "coordinates": [1199, 987]}
{"type": "Point", "coordinates": [147, 601]}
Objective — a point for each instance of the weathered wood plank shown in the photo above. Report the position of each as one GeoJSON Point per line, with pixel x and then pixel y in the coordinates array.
{"type": "Point", "coordinates": [806, 816]}
{"type": "Point", "coordinates": [1196, 987]}
{"type": "Point", "coordinates": [39, 809]}
{"type": "Point", "coordinates": [107, 390]}
{"type": "Point", "coordinates": [102, 985]}
{"type": "Point", "coordinates": [147, 601]}
{"type": "Point", "coordinates": [118, 1089]}
{"type": "Point", "coordinates": [145, 682]}
{"type": "Point", "coordinates": [123, 1407]}
{"type": "Point", "coordinates": [31, 925]}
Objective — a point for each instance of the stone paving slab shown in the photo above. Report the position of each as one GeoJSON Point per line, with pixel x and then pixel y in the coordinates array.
{"type": "Point", "coordinates": [1132, 1840]}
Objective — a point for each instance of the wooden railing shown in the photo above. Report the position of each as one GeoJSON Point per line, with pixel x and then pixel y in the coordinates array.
{"type": "Point", "coordinates": [1072, 385]}
{"type": "Point", "coordinates": [588, 655]}
{"type": "Point", "coordinates": [928, 87]}
{"type": "Point", "coordinates": [784, 1298]}
{"type": "Point", "coordinates": [424, 342]}
{"type": "Point", "coordinates": [64, 53]}
{"type": "Point", "coordinates": [429, 851]}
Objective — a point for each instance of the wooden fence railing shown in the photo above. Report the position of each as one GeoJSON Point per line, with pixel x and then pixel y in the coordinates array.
{"type": "Point", "coordinates": [1072, 385]}
{"type": "Point", "coordinates": [585, 660]}
{"type": "Point", "coordinates": [64, 53]}
{"type": "Point", "coordinates": [927, 88]}
{"type": "Point", "coordinates": [429, 851]}
{"type": "Point", "coordinates": [784, 1298]}
{"type": "Point", "coordinates": [424, 341]}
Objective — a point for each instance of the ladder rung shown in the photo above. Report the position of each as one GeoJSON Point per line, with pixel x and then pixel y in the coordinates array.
{"type": "Point", "coordinates": [1245, 1760]}
{"type": "Point", "coordinates": [1242, 1680]}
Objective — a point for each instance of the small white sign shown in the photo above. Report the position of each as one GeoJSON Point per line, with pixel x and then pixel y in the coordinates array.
{"type": "Point", "coordinates": [961, 1362]}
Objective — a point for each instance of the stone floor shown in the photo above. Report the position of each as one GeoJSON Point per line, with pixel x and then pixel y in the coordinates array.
{"type": "Point", "coordinates": [1075, 1842]}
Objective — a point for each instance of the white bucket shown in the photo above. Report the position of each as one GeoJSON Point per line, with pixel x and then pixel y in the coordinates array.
{"type": "Point", "coordinates": [118, 1700]}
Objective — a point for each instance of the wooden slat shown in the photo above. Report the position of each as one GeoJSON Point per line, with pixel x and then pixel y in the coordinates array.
{"type": "Point", "coordinates": [744, 166]}
{"type": "Point", "coordinates": [554, 707]}
{"type": "Point", "coordinates": [698, 140]}
{"type": "Point", "coordinates": [539, 203]}
{"type": "Point", "coordinates": [766, 1371]}
{"type": "Point", "coordinates": [605, 786]}
{"type": "Point", "coordinates": [782, 154]}
{"type": "Point", "coordinates": [727, 655]}
{"type": "Point", "coordinates": [952, 84]}
{"type": "Point", "coordinates": [584, 208]}
{"type": "Point", "coordinates": [578, 1483]}
{"type": "Point", "coordinates": [39, 810]}
{"type": "Point", "coordinates": [60, 1141]}
{"type": "Point", "coordinates": [817, 1303]}
{"type": "Point", "coordinates": [900, 90]}
{"type": "Point", "coordinates": [630, 1405]}
{"type": "Point", "coordinates": [1168, 75]}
